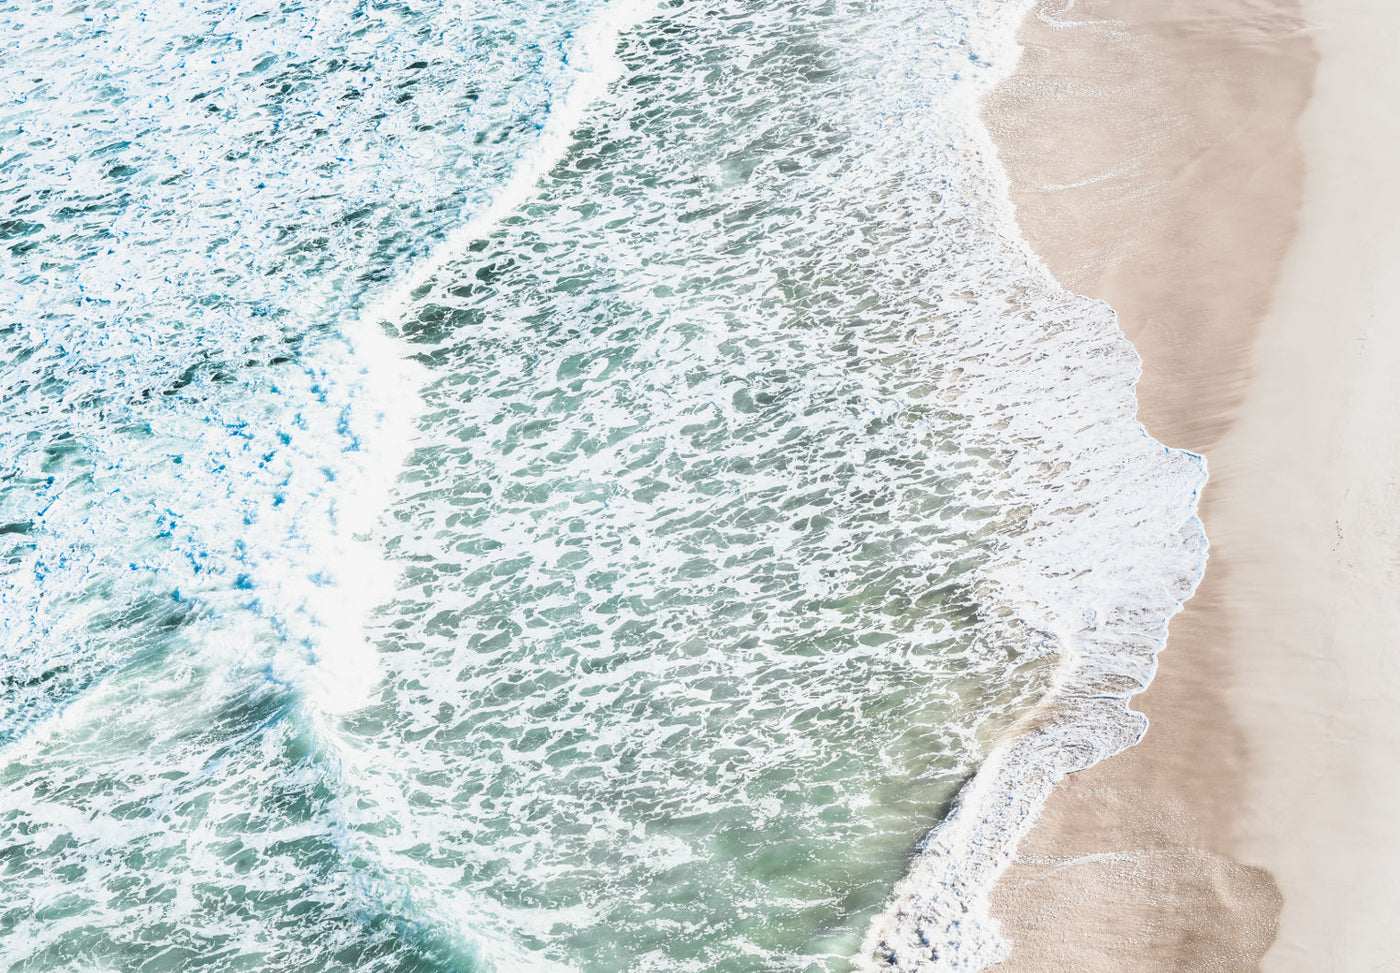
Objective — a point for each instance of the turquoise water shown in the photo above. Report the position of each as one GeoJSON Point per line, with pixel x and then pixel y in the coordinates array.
{"type": "Point", "coordinates": [526, 485]}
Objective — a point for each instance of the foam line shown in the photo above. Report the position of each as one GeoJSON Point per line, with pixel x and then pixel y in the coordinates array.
{"type": "Point", "coordinates": [595, 66]}
{"type": "Point", "coordinates": [343, 678]}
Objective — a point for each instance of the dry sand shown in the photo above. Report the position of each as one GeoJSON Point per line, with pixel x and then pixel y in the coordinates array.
{"type": "Point", "coordinates": [1159, 161]}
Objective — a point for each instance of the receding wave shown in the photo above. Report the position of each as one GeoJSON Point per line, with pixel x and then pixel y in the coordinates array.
{"type": "Point", "coordinates": [545, 486]}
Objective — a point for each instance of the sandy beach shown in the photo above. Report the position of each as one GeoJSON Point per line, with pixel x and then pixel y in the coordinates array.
{"type": "Point", "coordinates": [1224, 174]}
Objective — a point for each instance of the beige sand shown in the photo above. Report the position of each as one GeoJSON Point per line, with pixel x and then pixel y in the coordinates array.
{"type": "Point", "coordinates": [1154, 150]}
{"type": "Point", "coordinates": [1310, 507]}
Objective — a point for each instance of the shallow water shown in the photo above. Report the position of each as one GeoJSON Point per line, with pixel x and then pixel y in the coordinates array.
{"type": "Point", "coordinates": [455, 521]}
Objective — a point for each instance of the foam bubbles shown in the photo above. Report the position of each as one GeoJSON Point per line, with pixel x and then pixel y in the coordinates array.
{"type": "Point", "coordinates": [746, 484]}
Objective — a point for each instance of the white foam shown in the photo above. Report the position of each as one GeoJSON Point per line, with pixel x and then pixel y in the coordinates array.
{"type": "Point", "coordinates": [1109, 626]}
{"type": "Point", "coordinates": [346, 671]}
{"type": "Point", "coordinates": [761, 434]}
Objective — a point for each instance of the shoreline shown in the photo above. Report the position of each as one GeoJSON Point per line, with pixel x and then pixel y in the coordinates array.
{"type": "Point", "coordinates": [938, 915]}
{"type": "Point", "coordinates": [1176, 205]}
{"type": "Point", "coordinates": [1221, 174]}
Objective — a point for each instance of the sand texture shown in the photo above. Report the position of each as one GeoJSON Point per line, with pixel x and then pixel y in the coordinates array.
{"type": "Point", "coordinates": [1173, 158]}
{"type": "Point", "coordinates": [1309, 518]}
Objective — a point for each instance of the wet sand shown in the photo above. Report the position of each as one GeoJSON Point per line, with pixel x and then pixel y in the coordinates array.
{"type": "Point", "coordinates": [1236, 197]}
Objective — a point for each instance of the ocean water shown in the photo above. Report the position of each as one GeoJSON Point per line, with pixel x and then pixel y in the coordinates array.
{"type": "Point", "coordinates": [544, 485]}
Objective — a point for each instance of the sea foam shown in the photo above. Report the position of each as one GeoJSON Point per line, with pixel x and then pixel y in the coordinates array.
{"type": "Point", "coordinates": [547, 485]}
